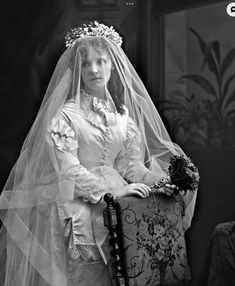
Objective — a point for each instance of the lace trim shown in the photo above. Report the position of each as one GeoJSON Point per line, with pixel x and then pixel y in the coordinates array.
{"type": "Point", "coordinates": [98, 106]}
{"type": "Point", "coordinates": [86, 253]}
{"type": "Point", "coordinates": [63, 135]}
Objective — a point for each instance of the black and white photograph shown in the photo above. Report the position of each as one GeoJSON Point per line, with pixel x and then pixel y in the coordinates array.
{"type": "Point", "coordinates": [117, 143]}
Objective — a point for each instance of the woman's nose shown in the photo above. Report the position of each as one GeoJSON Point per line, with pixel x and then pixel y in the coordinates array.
{"type": "Point", "coordinates": [94, 69]}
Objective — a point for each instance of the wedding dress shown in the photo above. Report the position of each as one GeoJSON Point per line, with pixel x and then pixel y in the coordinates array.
{"type": "Point", "coordinates": [79, 148]}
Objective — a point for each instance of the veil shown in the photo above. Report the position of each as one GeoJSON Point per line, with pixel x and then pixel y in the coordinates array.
{"type": "Point", "coordinates": [32, 232]}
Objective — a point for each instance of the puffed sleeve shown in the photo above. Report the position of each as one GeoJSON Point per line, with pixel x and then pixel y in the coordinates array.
{"type": "Point", "coordinates": [64, 143]}
{"type": "Point", "coordinates": [130, 161]}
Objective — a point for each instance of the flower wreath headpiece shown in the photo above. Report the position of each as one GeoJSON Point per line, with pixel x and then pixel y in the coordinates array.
{"type": "Point", "coordinates": [92, 29]}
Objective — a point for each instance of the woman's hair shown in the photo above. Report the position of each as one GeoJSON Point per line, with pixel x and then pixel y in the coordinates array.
{"type": "Point", "coordinates": [115, 86]}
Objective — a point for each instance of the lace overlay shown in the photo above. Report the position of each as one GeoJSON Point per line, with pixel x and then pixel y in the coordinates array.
{"type": "Point", "coordinates": [98, 111]}
{"type": "Point", "coordinates": [84, 253]}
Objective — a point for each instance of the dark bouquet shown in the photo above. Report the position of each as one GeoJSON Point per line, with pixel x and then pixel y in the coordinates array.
{"type": "Point", "coordinates": [182, 173]}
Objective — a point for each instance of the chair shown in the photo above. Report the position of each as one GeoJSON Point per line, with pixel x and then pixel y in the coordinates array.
{"type": "Point", "coordinates": [147, 240]}
{"type": "Point", "coordinates": [220, 268]}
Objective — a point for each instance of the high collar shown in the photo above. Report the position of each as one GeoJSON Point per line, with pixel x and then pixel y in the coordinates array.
{"type": "Point", "coordinates": [95, 103]}
{"type": "Point", "coordinates": [98, 110]}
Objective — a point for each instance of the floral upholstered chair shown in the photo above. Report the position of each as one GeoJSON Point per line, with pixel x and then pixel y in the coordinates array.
{"type": "Point", "coordinates": [148, 241]}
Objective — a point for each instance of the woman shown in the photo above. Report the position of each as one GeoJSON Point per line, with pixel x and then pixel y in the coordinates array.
{"type": "Point", "coordinates": [97, 128]}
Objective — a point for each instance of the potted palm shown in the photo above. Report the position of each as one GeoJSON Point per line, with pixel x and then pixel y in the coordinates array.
{"type": "Point", "coordinates": [203, 123]}
{"type": "Point", "coordinates": [209, 122]}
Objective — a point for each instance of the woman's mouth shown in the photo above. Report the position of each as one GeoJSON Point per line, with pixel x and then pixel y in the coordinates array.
{"type": "Point", "coordinates": [96, 78]}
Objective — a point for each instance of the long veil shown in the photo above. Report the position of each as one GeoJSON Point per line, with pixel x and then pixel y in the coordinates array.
{"type": "Point", "coordinates": [32, 232]}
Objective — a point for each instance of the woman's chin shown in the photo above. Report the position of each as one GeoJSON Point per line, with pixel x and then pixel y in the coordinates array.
{"type": "Point", "coordinates": [97, 85]}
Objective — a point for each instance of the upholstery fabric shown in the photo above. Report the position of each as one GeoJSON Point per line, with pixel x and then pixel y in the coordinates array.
{"type": "Point", "coordinates": [153, 241]}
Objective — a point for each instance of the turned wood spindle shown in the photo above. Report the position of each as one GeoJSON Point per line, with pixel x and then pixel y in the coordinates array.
{"type": "Point", "coordinates": [110, 221]}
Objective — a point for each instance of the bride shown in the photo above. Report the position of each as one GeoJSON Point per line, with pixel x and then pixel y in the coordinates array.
{"type": "Point", "coordinates": [96, 130]}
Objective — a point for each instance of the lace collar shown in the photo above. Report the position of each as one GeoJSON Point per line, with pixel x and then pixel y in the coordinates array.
{"type": "Point", "coordinates": [90, 102]}
{"type": "Point", "coordinates": [95, 108]}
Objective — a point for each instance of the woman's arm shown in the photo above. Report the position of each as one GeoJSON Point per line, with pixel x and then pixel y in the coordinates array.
{"type": "Point", "coordinates": [64, 148]}
{"type": "Point", "coordinates": [130, 163]}
{"type": "Point", "coordinates": [74, 176]}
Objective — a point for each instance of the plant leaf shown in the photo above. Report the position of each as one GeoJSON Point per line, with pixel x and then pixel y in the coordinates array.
{"type": "Point", "coordinates": [173, 108]}
{"type": "Point", "coordinates": [176, 93]}
{"type": "Point", "coordinates": [215, 45]}
{"type": "Point", "coordinates": [173, 103]}
{"type": "Point", "coordinates": [227, 84]}
{"type": "Point", "coordinates": [230, 113]}
{"type": "Point", "coordinates": [227, 61]}
{"type": "Point", "coordinates": [164, 102]}
{"type": "Point", "coordinates": [227, 102]}
{"type": "Point", "coordinates": [202, 82]}
{"type": "Point", "coordinates": [207, 53]}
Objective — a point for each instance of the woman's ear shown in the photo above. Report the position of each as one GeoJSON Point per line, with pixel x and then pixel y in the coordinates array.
{"type": "Point", "coordinates": [112, 67]}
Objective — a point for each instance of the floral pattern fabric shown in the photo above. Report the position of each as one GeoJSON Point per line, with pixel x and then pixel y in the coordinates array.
{"type": "Point", "coordinates": [153, 239]}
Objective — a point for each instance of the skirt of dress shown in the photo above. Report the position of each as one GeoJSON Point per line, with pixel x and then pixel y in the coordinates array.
{"type": "Point", "coordinates": [87, 274]}
{"type": "Point", "coordinates": [84, 263]}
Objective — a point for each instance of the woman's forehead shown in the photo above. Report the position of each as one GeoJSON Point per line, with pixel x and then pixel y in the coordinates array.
{"type": "Point", "coordinates": [95, 53]}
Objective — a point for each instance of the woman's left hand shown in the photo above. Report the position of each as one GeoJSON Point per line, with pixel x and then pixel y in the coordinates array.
{"type": "Point", "coordinates": [168, 190]}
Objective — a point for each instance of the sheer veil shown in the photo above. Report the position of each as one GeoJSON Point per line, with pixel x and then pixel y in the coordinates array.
{"type": "Point", "coordinates": [32, 232]}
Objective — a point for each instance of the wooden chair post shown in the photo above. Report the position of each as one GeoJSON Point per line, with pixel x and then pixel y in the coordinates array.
{"type": "Point", "coordinates": [110, 221]}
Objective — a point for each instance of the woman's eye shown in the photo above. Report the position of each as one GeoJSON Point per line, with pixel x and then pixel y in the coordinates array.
{"type": "Point", "coordinates": [85, 64]}
{"type": "Point", "coordinates": [100, 61]}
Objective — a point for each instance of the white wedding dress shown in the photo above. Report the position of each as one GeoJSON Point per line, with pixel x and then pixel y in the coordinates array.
{"type": "Point", "coordinates": [96, 148]}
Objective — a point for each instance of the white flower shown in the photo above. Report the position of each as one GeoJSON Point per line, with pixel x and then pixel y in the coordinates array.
{"type": "Point", "coordinates": [93, 29]}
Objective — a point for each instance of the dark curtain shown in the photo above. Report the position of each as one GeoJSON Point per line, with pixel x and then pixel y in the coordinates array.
{"type": "Point", "coordinates": [32, 39]}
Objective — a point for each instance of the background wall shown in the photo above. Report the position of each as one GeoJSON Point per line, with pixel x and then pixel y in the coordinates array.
{"type": "Point", "coordinates": [199, 94]}
{"type": "Point", "coordinates": [32, 34]}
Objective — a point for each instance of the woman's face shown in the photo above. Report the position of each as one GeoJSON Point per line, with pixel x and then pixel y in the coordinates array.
{"type": "Point", "coordinates": [96, 70]}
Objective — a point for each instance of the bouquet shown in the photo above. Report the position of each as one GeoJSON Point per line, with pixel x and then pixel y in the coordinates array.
{"type": "Point", "coordinates": [182, 173]}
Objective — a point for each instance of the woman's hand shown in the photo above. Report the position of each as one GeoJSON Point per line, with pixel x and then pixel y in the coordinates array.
{"type": "Point", "coordinates": [168, 190]}
{"type": "Point", "coordinates": [165, 186]}
{"type": "Point", "coordinates": [138, 189]}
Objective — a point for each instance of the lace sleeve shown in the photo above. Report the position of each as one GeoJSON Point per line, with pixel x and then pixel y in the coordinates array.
{"type": "Point", "coordinates": [65, 147]}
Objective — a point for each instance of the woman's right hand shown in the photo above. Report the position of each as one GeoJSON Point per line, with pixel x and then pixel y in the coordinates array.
{"type": "Point", "coordinates": [138, 189]}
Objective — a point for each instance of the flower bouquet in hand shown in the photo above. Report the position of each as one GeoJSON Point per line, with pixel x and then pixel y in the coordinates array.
{"type": "Point", "coordinates": [182, 173]}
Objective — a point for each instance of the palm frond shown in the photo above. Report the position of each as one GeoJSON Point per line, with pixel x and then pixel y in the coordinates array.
{"type": "Point", "coordinates": [215, 45]}
{"type": "Point", "coordinates": [208, 58]}
{"type": "Point", "coordinates": [227, 84]}
{"type": "Point", "coordinates": [228, 104]}
{"type": "Point", "coordinates": [227, 61]}
{"type": "Point", "coordinates": [230, 114]}
{"type": "Point", "coordinates": [202, 82]}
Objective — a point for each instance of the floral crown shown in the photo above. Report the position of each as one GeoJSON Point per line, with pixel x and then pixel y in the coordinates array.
{"type": "Point", "coordinates": [92, 29]}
